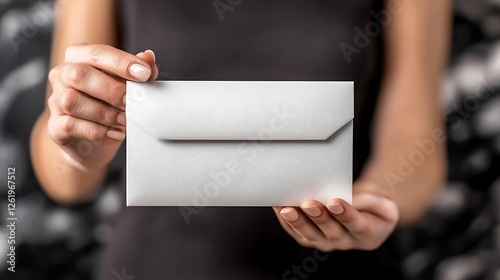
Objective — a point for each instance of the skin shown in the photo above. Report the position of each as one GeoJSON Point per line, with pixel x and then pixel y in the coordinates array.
{"type": "Point", "coordinates": [85, 103]}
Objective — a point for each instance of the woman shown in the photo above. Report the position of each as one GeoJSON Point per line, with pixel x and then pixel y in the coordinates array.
{"type": "Point", "coordinates": [397, 104]}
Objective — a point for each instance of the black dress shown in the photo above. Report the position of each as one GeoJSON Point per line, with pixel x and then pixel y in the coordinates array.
{"type": "Point", "coordinates": [247, 40]}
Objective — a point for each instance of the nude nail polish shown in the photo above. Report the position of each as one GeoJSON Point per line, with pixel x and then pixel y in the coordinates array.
{"type": "Point", "coordinates": [289, 214]}
{"type": "Point", "coordinates": [335, 208]}
{"type": "Point", "coordinates": [121, 119]}
{"type": "Point", "coordinates": [115, 135]}
{"type": "Point", "coordinates": [312, 210]}
{"type": "Point", "coordinates": [140, 72]}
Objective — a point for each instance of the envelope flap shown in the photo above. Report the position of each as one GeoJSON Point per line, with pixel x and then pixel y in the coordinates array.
{"type": "Point", "coordinates": [229, 110]}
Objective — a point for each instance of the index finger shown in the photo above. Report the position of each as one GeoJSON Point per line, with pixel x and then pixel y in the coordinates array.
{"type": "Point", "coordinates": [110, 59]}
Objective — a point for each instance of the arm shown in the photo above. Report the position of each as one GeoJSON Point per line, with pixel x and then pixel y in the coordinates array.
{"type": "Point", "coordinates": [62, 179]}
{"type": "Point", "coordinates": [71, 145]}
{"type": "Point", "coordinates": [409, 109]}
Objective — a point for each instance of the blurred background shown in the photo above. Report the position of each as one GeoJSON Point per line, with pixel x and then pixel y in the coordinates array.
{"type": "Point", "coordinates": [458, 239]}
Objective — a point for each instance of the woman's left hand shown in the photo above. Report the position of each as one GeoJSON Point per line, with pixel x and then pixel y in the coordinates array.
{"type": "Point", "coordinates": [364, 225]}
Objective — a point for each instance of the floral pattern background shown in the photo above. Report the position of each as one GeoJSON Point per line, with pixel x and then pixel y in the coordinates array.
{"type": "Point", "coordinates": [458, 239]}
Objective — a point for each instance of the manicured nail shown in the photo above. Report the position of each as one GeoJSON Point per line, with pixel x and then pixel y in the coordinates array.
{"type": "Point", "coordinates": [289, 214]}
{"type": "Point", "coordinates": [115, 135]}
{"type": "Point", "coordinates": [140, 72]}
{"type": "Point", "coordinates": [335, 208]}
{"type": "Point", "coordinates": [312, 210]}
{"type": "Point", "coordinates": [153, 53]}
{"type": "Point", "coordinates": [121, 119]}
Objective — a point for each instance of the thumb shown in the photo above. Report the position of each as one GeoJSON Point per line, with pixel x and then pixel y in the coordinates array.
{"type": "Point", "coordinates": [150, 57]}
{"type": "Point", "coordinates": [377, 205]}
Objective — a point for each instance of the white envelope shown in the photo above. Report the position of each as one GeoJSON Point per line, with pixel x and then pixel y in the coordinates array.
{"type": "Point", "coordinates": [238, 143]}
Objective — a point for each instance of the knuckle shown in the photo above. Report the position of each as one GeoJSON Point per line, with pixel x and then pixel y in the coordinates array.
{"type": "Point", "coordinates": [51, 103]}
{"type": "Point", "coordinates": [114, 92]}
{"type": "Point", "coordinates": [76, 73]}
{"type": "Point", "coordinates": [51, 128]}
{"type": "Point", "coordinates": [96, 52]}
{"type": "Point", "coordinates": [334, 239]}
{"type": "Point", "coordinates": [68, 124]}
{"type": "Point", "coordinates": [108, 116]}
{"type": "Point", "coordinates": [121, 64]}
{"type": "Point", "coordinates": [68, 101]}
{"type": "Point", "coordinates": [53, 74]}
{"type": "Point", "coordinates": [95, 133]}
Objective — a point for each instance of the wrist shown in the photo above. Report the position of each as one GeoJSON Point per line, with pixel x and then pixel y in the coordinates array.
{"type": "Point", "coordinates": [369, 186]}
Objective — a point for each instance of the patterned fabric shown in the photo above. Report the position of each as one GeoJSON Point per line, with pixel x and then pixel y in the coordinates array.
{"type": "Point", "coordinates": [458, 239]}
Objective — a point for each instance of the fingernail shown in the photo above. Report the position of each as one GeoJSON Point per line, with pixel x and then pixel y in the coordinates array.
{"type": "Point", "coordinates": [289, 214]}
{"type": "Point", "coordinates": [140, 72]}
{"type": "Point", "coordinates": [115, 135]}
{"type": "Point", "coordinates": [335, 208]}
{"type": "Point", "coordinates": [121, 119]}
{"type": "Point", "coordinates": [153, 53]}
{"type": "Point", "coordinates": [312, 210]}
{"type": "Point", "coordinates": [124, 101]}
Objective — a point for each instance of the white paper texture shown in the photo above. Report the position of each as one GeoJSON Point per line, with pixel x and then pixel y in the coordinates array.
{"type": "Point", "coordinates": [226, 143]}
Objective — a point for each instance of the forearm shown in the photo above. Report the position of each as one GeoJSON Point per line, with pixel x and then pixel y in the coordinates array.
{"type": "Point", "coordinates": [412, 177]}
{"type": "Point", "coordinates": [63, 178]}
{"type": "Point", "coordinates": [59, 176]}
{"type": "Point", "coordinates": [408, 161]}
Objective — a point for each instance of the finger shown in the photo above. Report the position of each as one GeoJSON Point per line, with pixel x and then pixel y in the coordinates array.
{"type": "Point", "coordinates": [291, 231]}
{"type": "Point", "coordinates": [75, 103]}
{"type": "Point", "coordinates": [65, 128]}
{"type": "Point", "coordinates": [335, 233]}
{"type": "Point", "coordinates": [348, 216]}
{"type": "Point", "coordinates": [150, 57]}
{"type": "Point", "coordinates": [301, 224]}
{"type": "Point", "coordinates": [89, 80]}
{"type": "Point", "coordinates": [110, 59]}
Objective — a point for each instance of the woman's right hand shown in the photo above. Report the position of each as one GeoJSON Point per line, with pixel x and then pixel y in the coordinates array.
{"type": "Point", "coordinates": [87, 104]}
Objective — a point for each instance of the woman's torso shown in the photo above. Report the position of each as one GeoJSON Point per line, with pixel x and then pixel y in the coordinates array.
{"type": "Point", "coordinates": [256, 40]}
